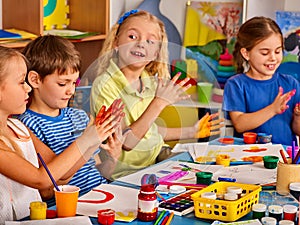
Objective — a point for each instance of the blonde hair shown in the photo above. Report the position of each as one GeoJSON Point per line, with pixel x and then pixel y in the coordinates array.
{"type": "Point", "coordinates": [7, 55]}
{"type": "Point", "coordinates": [159, 66]}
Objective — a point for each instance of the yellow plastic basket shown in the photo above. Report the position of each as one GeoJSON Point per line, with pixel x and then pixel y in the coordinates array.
{"type": "Point", "coordinates": [225, 210]}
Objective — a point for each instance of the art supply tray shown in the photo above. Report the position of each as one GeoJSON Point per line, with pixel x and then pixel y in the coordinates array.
{"type": "Point", "coordinates": [225, 210]}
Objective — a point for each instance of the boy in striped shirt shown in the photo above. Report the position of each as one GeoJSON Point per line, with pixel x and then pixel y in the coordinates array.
{"type": "Point", "coordinates": [54, 66]}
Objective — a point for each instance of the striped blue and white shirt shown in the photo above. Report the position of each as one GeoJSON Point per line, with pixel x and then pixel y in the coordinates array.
{"type": "Point", "coordinates": [58, 133]}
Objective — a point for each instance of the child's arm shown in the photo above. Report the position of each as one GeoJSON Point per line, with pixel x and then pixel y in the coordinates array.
{"type": "Point", "coordinates": [61, 166]}
{"type": "Point", "coordinates": [205, 127]}
{"type": "Point", "coordinates": [167, 92]}
{"type": "Point", "coordinates": [296, 120]}
{"type": "Point", "coordinates": [241, 120]}
{"type": "Point", "coordinates": [113, 149]}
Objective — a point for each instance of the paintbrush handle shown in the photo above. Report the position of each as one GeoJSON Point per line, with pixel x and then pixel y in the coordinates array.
{"type": "Point", "coordinates": [48, 171]}
{"type": "Point", "coordinates": [283, 156]}
{"type": "Point", "coordinates": [296, 158]}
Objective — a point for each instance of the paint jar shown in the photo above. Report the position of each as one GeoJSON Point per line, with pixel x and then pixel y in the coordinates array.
{"type": "Point", "coordinates": [268, 221]}
{"type": "Point", "coordinates": [263, 138]}
{"type": "Point", "coordinates": [51, 213]}
{"type": "Point", "coordinates": [204, 177]}
{"type": "Point", "coordinates": [209, 195]}
{"type": "Point", "coordinates": [230, 196]}
{"type": "Point", "coordinates": [259, 211]}
{"type": "Point", "coordinates": [38, 210]}
{"type": "Point", "coordinates": [223, 160]}
{"type": "Point", "coordinates": [289, 212]}
{"type": "Point", "coordinates": [270, 161]}
{"type": "Point", "coordinates": [236, 190]}
{"type": "Point", "coordinates": [250, 137]}
{"type": "Point", "coordinates": [286, 174]}
{"type": "Point", "coordinates": [147, 203]}
{"type": "Point", "coordinates": [286, 222]}
{"type": "Point", "coordinates": [295, 189]}
{"type": "Point", "coordinates": [106, 216]}
{"type": "Point", "coordinates": [276, 212]}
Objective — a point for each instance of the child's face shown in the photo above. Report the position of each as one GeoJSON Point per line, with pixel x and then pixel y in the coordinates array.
{"type": "Point", "coordinates": [14, 90]}
{"type": "Point", "coordinates": [55, 91]}
{"type": "Point", "coordinates": [265, 57]}
{"type": "Point", "coordinates": [138, 42]}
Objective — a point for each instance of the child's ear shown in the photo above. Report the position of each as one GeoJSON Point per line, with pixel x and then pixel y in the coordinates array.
{"type": "Point", "coordinates": [244, 53]}
{"type": "Point", "coordinates": [33, 78]}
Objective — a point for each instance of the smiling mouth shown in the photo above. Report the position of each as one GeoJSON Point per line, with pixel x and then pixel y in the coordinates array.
{"type": "Point", "coordinates": [272, 66]}
{"type": "Point", "coordinates": [139, 54]}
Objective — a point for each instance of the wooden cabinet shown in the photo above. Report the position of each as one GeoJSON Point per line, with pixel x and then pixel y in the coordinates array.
{"type": "Point", "coordinates": [84, 15]}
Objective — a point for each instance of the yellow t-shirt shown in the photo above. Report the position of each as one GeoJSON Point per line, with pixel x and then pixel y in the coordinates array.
{"type": "Point", "coordinates": [112, 85]}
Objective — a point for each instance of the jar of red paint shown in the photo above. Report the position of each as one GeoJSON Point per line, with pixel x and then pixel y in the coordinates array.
{"type": "Point", "coordinates": [250, 137]}
{"type": "Point", "coordinates": [290, 212]}
{"type": "Point", "coordinates": [106, 216]}
{"type": "Point", "coordinates": [147, 203]}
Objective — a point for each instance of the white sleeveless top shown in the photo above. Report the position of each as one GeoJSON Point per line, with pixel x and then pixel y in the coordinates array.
{"type": "Point", "coordinates": [15, 198]}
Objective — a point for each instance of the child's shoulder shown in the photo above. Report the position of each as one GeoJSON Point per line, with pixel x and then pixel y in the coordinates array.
{"type": "Point", "coordinates": [15, 122]}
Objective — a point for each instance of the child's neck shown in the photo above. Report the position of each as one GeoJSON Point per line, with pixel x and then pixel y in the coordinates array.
{"type": "Point", "coordinates": [43, 109]}
{"type": "Point", "coordinates": [132, 75]}
{"type": "Point", "coordinates": [134, 79]}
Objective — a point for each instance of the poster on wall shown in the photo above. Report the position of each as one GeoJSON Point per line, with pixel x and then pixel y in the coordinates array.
{"type": "Point", "coordinates": [208, 21]}
{"type": "Point", "coordinates": [210, 33]}
{"type": "Point", "coordinates": [289, 23]}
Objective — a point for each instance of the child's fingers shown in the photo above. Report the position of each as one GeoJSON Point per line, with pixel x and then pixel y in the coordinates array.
{"type": "Point", "coordinates": [176, 77]}
{"type": "Point", "coordinates": [216, 127]}
{"type": "Point", "coordinates": [185, 88]}
{"type": "Point", "coordinates": [280, 92]}
{"type": "Point", "coordinates": [218, 121]}
{"type": "Point", "coordinates": [100, 114]}
{"type": "Point", "coordinates": [214, 115]}
{"type": "Point", "coordinates": [214, 132]}
{"type": "Point", "coordinates": [116, 104]}
{"type": "Point", "coordinates": [184, 81]}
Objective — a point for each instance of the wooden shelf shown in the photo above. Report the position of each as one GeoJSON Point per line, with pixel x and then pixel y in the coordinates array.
{"type": "Point", "coordinates": [86, 16]}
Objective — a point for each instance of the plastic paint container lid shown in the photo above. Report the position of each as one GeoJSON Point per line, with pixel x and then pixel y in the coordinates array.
{"type": "Point", "coordinates": [176, 189]}
{"type": "Point", "coordinates": [268, 221]}
{"type": "Point", "coordinates": [270, 161]}
{"type": "Point", "coordinates": [277, 209]}
{"type": "Point", "coordinates": [204, 174]}
{"type": "Point", "coordinates": [234, 189]}
{"type": "Point", "coordinates": [204, 177]}
{"type": "Point", "coordinates": [286, 222]}
{"type": "Point", "coordinates": [226, 140]}
{"type": "Point", "coordinates": [290, 208]}
{"type": "Point", "coordinates": [210, 195]}
{"type": "Point", "coordinates": [230, 196]}
{"type": "Point", "coordinates": [259, 207]}
{"type": "Point", "coordinates": [294, 186]}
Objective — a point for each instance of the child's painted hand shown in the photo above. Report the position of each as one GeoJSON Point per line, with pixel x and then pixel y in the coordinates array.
{"type": "Point", "coordinates": [113, 146]}
{"type": "Point", "coordinates": [280, 103]}
{"type": "Point", "coordinates": [170, 92]}
{"type": "Point", "coordinates": [115, 110]}
{"type": "Point", "coordinates": [206, 126]}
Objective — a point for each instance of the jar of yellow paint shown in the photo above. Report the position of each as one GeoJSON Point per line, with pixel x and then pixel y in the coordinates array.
{"type": "Point", "coordinates": [223, 160]}
{"type": "Point", "coordinates": [38, 210]}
